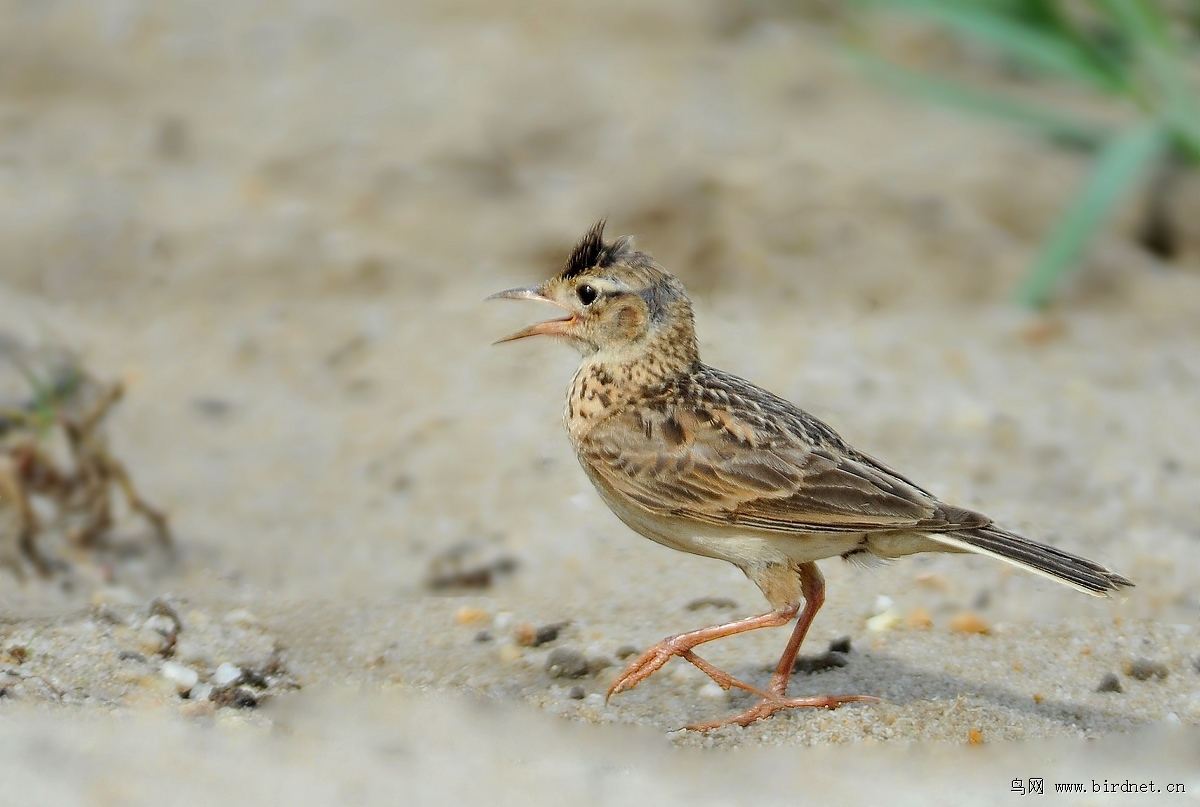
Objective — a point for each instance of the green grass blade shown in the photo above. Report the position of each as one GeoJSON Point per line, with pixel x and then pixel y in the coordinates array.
{"type": "Point", "coordinates": [1063, 128]}
{"type": "Point", "coordinates": [1049, 52]}
{"type": "Point", "coordinates": [1117, 166]}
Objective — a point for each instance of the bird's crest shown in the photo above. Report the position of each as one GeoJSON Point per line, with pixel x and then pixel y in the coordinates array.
{"type": "Point", "coordinates": [593, 251]}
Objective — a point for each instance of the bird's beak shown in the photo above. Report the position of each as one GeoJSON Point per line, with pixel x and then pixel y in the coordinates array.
{"type": "Point", "coordinates": [553, 327]}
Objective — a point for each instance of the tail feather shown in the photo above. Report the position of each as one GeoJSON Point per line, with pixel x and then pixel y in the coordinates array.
{"type": "Point", "coordinates": [1048, 561]}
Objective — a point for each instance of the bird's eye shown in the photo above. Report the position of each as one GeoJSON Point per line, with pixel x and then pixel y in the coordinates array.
{"type": "Point", "coordinates": [587, 294]}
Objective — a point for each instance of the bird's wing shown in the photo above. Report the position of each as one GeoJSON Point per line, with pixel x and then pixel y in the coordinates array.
{"type": "Point", "coordinates": [780, 471]}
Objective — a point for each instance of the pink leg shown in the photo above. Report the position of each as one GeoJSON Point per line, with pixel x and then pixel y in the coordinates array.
{"type": "Point", "coordinates": [812, 584]}
{"type": "Point", "coordinates": [654, 658]}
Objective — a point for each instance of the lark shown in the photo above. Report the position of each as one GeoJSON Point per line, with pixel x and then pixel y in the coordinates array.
{"type": "Point", "coordinates": [704, 462]}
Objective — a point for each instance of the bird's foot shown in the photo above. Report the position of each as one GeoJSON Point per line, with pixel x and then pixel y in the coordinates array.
{"type": "Point", "coordinates": [653, 659]}
{"type": "Point", "coordinates": [772, 704]}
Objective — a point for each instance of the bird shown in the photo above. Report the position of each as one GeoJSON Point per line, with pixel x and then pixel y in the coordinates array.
{"type": "Point", "coordinates": [702, 461]}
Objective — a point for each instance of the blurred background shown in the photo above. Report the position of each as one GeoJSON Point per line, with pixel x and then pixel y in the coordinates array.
{"type": "Point", "coordinates": [965, 234]}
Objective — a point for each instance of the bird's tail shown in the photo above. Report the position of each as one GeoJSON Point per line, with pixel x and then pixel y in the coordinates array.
{"type": "Point", "coordinates": [1081, 573]}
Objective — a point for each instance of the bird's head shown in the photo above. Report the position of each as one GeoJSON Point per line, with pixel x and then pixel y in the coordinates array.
{"type": "Point", "coordinates": [618, 301]}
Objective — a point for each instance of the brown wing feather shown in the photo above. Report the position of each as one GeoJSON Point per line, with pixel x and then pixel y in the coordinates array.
{"type": "Point", "coordinates": [712, 453]}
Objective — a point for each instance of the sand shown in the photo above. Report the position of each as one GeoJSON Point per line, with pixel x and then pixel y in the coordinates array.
{"type": "Point", "coordinates": [277, 224]}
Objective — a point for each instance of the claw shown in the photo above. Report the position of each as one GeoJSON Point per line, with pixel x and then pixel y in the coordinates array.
{"type": "Point", "coordinates": [770, 705]}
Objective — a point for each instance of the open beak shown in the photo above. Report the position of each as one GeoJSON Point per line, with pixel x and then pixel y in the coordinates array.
{"type": "Point", "coordinates": [553, 327]}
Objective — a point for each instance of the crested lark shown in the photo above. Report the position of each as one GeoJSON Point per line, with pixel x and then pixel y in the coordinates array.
{"type": "Point", "coordinates": [704, 462]}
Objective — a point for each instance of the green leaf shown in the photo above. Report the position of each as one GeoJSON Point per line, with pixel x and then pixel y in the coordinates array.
{"type": "Point", "coordinates": [1048, 51]}
{"type": "Point", "coordinates": [1063, 128]}
{"type": "Point", "coordinates": [1117, 166]}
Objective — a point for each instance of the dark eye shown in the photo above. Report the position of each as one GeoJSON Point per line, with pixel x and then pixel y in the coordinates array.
{"type": "Point", "coordinates": [587, 294]}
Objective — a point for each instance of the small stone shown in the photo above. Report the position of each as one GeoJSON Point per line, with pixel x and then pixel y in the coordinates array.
{"type": "Point", "coordinates": [253, 678]}
{"type": "Point", "coordinates": [825, 661]}
{"type": "Point", "coordinates": [567, 663]}
{"type": "Point", "coordinates": [577, 693]}
{"type": "Point", "coordinates": [161, 608]}
{"type": "Point", "coordinates": [131, 655]}
{"type": "Point", "coordinates": [712, 690]}
{"type": "Point", "coordinates": [162, 624]}
{"type": "Point", "coordinates": [975, 737]}
{"type": "Point", "coordinates": [547, 633]}
{"type": "Point", "coordinates": [508, 653]}
{"type": "Point", "coordinates": [1196, 664]}
{"type": "Point", "coordinates": [1143, 669]}
{"type": "Point", "coordinates": [933, 580]}
{"type": "Point", "coordinates": [883, 603]}
{"type": "Point", "coordinates": [598, 663]}
{"type": "Point", "coordinates": [235, 697]}
{"type": "Point", "coordinates": [227, 674]}
{"type": "Point", "coordinates": [884, 622]}
{"type": "Point", "coordinates": [919, 618]}
{"type": "Point", "coordinates": [201, 692]}
{"type": "Point", "coordinates": [524, 634]}
{"type": "Point", "coordinates": [181, 677]}
{"type": "Point", "coordinates": [969, 622]}
{"type": "Point", "coordinates": [1110, 683]}
{"type": "Point", "coordinates": [840, 645]}
{"type": "Point", "coordinates": [470, 615]}
{"type": "Point", "coordinates": [627, 650]}
{"type": "Point", "coordinates": [484, 636]}
{"type": "Point", "coordinates": [151, 642]}
{"type": "Point", "coordinates": [242, 618]}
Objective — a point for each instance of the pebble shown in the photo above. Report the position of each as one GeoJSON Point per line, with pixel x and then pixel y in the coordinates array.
{"type": "Point", "coordinates": [509, 653]}
{"type": "Point", "coordinates": [242, 618]}
{"type": "Point", "coordinates": [577, 693]}
{"type": "Point", "coordinates": [182, 677]}
{"type": "Point", "coordinates": [1144, 669]}
{"type": "Point", "coordinates": [627, 650]}
{"type": "Point", "coordinates": [237, 697]}
{"type": "Point", "coordinates": [840, 645]}
{"type": "Point", "coordinates": [919, 618]}
{"type": "Point", "coordinates": [884, 621]}
{"type": "Point", "coordinates": [969, 622]}
{"type": "Point", "coordinates": [525, 634]}
{"type": "Point", "coordinates": [566, 663]}
{"type": "Point", "coordinates": [975, 737]}
{"type": "Point", "coordinates": [484, 636]}
{"type": "Point", "coordinates": [883, 603]}
{"type": "Point", "coordinates": [598, 663]}
{"type": "Point", "coordinates": [151, 642]}
{"type": "Point", "coordinates": [825, 661]}
{"type": "Point", "coordinates": [469, 615]}
{"type": "Point", "coordinates": [201, 692]}
{"type": "Point", "coordinates": [227, 674]}
{"type": "Point", "coordinates": [712, 690]}
{"type": "Point", "coordinates": [1110, 683]}
{"type": "Point", "coordinates": [161, 623]}
{"type": "Point", "coordinates": [548, 633]}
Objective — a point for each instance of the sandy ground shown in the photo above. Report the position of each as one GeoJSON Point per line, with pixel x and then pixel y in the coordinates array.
{"type": "Point", "coordinates": [276, 223]}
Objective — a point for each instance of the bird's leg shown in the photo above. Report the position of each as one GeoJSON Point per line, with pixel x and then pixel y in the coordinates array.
{"type": "Point", "coordinates": [683, 644]}
{"type": "Point", "coordinates": [812, 585]}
